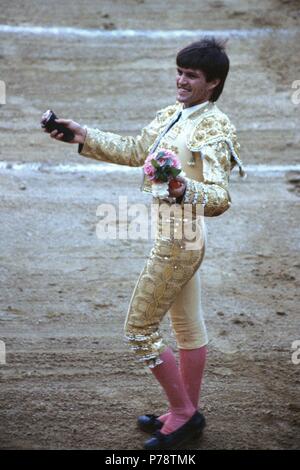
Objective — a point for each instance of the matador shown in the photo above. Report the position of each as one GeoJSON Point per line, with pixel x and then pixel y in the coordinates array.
{"type": "Point", "coordinates": [205, 141]}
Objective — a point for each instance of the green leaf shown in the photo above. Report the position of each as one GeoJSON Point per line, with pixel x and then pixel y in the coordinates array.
{"type": "Point", "coordinates": [155, 164]}
{"type": "Point", "coordinates": [175, 171]}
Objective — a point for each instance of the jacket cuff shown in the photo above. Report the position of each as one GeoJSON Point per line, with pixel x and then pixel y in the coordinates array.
{"type": "Point", "coordinates": [90, 144]}
{"type": "Point", "coordinates": [195, 193]}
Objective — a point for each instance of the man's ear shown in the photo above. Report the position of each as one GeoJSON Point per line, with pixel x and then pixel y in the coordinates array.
{"type": "Point", "coordinates": [214, 83]}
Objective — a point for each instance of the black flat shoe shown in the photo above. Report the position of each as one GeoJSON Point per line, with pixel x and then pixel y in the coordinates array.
{"type": "Point", "coordinates": [185, 433]}
{"type": "Point", "coordinates": [149, 423]}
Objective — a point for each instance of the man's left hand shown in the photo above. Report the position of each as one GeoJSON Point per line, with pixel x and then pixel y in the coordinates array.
{"type": "Point", "coordinates": [177, 187]}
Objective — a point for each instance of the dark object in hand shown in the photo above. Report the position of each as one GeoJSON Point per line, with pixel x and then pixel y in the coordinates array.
{"type": "Point", "coordinates": [48, 123]}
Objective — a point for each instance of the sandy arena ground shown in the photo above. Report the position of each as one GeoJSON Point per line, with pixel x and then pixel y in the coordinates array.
{"type": "Point", "coordinates": [69, 381]}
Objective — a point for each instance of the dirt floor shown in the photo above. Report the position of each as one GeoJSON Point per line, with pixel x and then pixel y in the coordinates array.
{"type": "Point", "coordinates": [69, 381]}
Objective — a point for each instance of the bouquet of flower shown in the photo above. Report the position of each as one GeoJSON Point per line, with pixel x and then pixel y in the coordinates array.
{"type": "Point", "coordinates": [161, 168]}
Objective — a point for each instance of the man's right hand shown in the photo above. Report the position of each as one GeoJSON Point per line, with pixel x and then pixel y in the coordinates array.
{"type": "Point", "coordinates": [79, 132]}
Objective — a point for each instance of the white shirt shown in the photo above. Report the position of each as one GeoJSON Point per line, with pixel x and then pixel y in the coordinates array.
{"type": "Point", "coordinates": [187, 111]}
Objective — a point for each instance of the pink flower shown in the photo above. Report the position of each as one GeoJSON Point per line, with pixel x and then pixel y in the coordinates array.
{"type": "Point", "coordinates": [149, 169]}
{"type": "Point", "coordinates": [162, 158]}
{"type": "Point", "coordinates": [168, 154]}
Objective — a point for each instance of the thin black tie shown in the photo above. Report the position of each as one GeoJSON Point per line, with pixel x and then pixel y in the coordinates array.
{"type": "Point", "coordinates": [156, 143]}
{"type": "Point", "coordinates": [173, 122]}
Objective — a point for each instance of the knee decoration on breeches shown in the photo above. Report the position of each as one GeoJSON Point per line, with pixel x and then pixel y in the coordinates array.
{"type": "Point", "coordinates": [168, 268]}
{"type": "Point", "coordinates": [147, 348]}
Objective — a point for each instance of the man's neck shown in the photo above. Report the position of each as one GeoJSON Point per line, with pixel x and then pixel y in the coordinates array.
{"type": "Point", "coordinates": [195, 104]}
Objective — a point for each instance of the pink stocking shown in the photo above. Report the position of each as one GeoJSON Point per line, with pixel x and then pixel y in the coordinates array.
{"type": "Point", "coordinates": [168, 375]}
{"type": "Point", "coordinates": [192, 363]}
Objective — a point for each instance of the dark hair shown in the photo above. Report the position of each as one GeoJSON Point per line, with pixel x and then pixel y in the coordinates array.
{"type": "Point", "coordinates": [209, 56]}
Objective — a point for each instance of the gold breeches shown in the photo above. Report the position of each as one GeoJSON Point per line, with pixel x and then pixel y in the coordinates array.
{"type": "Point", "coordinates": [169, 283]}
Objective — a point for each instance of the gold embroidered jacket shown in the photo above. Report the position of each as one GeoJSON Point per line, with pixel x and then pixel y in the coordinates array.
{"type": "Point", "coordinates": [205, 143]}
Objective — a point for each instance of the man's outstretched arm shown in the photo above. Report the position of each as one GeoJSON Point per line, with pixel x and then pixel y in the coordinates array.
{"type": "Point", "coordinates": [110, 147]}
{"type": "Point", "coordinates": [113, 148]}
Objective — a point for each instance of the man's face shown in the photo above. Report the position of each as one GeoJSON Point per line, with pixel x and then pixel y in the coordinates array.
{"type": "Point", "coordinates": [192, 87]}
